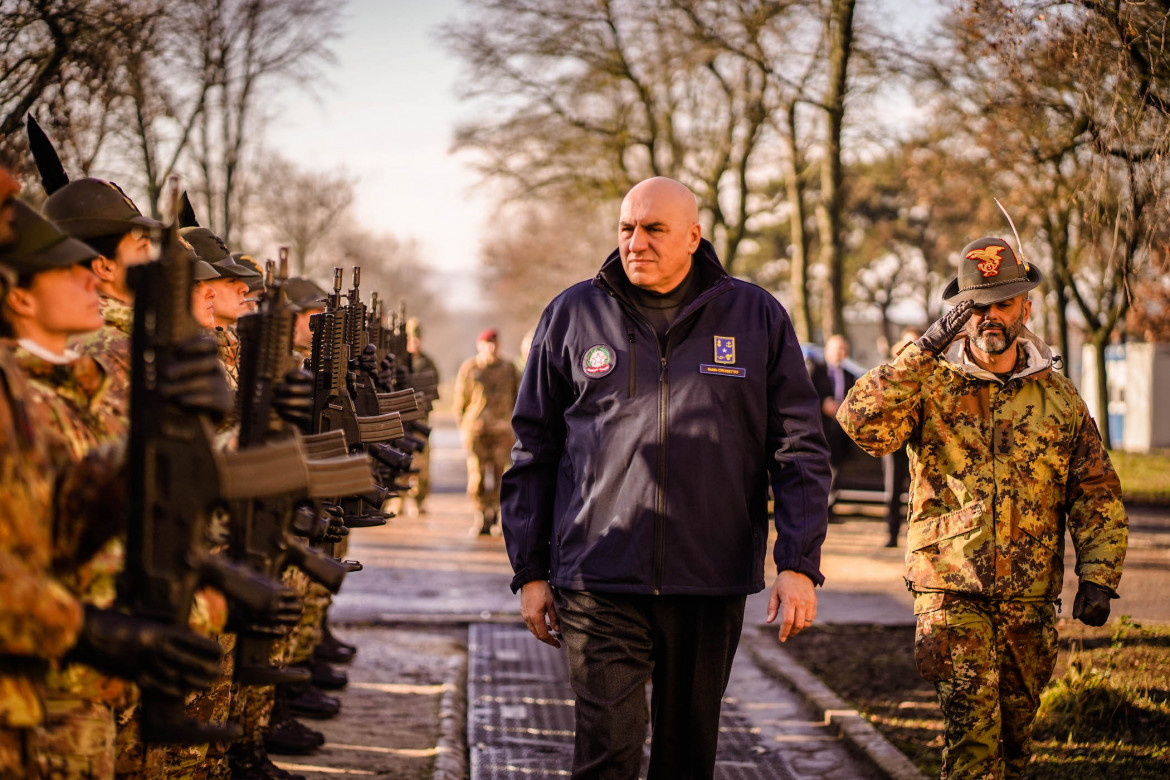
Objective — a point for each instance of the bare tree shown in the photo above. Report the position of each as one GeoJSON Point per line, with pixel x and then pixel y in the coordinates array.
{"type": "Point", "coordinates": [599, 95]}
{"type": "Point", "coordinates": [301, 209]}
{"type": "Point", "coordinates": [64, 62]}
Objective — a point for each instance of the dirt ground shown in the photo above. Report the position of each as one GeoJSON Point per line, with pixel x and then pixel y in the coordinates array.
{"type": "Point", "coordinates": [389, 725]}
{"type": "Point", "coordinates": [1107, 710]}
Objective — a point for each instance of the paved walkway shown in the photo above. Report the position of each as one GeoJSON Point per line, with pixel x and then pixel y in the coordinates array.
{"type": "Point", "coordinates": [427, 572]}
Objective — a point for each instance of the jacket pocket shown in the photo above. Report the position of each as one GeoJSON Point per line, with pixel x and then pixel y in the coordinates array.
{"type": "Point", "coordinates": [1043, 529]}
{"type": "Point", "coordinates": [932, 530]}
{"type": "Point", "coordinates": [932, 641]}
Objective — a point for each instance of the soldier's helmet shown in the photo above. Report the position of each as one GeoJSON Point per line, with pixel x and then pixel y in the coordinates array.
{"type": "Point", "coordinates": [990, 272]}
{"type": "Point", "coordinates": [94, 208]}
{"type": "Point", "coordinates": [40, 245]}
{"type": "Point", "coordinates": [209, 247]}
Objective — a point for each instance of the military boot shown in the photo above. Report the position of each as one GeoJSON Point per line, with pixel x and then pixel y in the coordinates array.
{"type": "Point", "coordinates": [325, 676]}
{"type": "Point", "coordinates": [249, 761]}
{"type": "Point", "coordinates": [309, 701]}
{"type": "Point", "coordinates": [288, 736]}
{"type": "Point", "coordinates": [331, 649]}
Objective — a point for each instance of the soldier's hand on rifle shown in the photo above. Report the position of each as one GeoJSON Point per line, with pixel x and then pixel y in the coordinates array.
{"type": "Point", "coordinates": [1091, 606]}
{"type": "Point", "coordinates": [171, 659]}
{"type": "Point", "coordinates": [940, 335]}
{"type": "Point", "coordinates": [368, 359]}
{"type": "Point", "coordinates": [335, 531]}
{"type": "Point", "coordinates": [388, 373]}
{"type": "Point", "coordinates": [292, 399]}
{"type": "Point", "coordinates": [195, 379]}
{"type": "Point", "coordinates": [282, 611]}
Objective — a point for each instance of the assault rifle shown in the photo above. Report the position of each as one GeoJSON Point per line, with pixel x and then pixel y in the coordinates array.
{"type": "Point", "coordinates": [262, 533]}
{"type": "Point", "coordinates": [175, 475]}
{"type": "Point", "coordinates": [334, 408]}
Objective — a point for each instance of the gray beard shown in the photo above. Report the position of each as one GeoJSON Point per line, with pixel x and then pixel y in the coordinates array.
{"type": "Point", "coordinates": [994, 341]}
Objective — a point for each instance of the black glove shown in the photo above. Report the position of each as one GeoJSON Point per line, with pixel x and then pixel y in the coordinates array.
{"type": "Point", "coordinates": [171, 659]}
{"type": "Point", "coordinates": [280, 614]}
{"type": "Point", "coordinates": [292, 399]}
{"type": "Point", "coordinates": [387, 372]}
{"type": "Point", "coordinates": [1091, 606]}
{"type": "Point", "coordinates": [939, 335]}
{"type": "Point", "coordinates": [335, 531]}
{"type": "Point", "coordinates": [368, 359]}
{"type": "Point", "coordinates": [195, 379]}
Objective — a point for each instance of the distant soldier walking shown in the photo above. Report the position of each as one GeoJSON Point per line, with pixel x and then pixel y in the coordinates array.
{"type": "Point", "coordinates": [1003, 457]}
{"type": "Point", "coordinates": [485, 392]}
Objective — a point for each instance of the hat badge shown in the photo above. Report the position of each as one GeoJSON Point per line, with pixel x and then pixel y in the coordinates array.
{"type": "Point", "coordinates": [989, 259]}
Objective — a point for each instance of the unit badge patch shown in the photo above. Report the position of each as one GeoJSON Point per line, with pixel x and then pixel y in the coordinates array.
{"type": "Point", "coordinates": [725, 349]}
{"type": "Point", "coordinates": [598, 361]}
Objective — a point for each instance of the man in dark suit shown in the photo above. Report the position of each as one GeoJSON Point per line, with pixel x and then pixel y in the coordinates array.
{"type": "Point", "coordinates": [832, 381]}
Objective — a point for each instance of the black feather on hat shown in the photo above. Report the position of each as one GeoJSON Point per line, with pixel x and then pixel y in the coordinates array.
{"type": "Point", "coordinates": [187, 216]}
{"type": "Point", "coordinates": [53, 176]}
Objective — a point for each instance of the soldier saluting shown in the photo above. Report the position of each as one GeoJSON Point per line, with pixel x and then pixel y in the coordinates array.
{"type": "Point", "coordinates": [1003, 457]}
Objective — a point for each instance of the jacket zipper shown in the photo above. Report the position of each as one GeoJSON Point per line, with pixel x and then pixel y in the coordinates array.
{"type": "Point", "coordinates": [633, 362]}
{"type": "Point", "coordinates": [660, 501]}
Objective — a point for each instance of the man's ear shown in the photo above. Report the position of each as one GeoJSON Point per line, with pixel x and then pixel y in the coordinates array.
{"type": "Point", "coordinates": [21, 302]}
{"type": "Point", "coordinates": [1027, 309]}
{"type": "Point", "coordinates": [104, 268]}
{"type": "Point", "coordinates": [696, 233]}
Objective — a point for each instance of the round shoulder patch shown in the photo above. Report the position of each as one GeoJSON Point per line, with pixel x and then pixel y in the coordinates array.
{"type": "Point", "coordinates": [598, 361]}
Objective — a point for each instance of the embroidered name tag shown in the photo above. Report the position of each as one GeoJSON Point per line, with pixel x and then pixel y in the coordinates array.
{"type": "Point", "coordinates": [707, 368]}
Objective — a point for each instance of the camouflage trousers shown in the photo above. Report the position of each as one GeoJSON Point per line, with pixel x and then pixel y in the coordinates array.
{"type": "Point", "coordinates": [420, 483]}
{"type": "Point", "coordinates": [135, 761]}
{"type": "Point", "coordinates": [988, 661]}
{"type": "Point", "coordinates": [488, 450]}
{"type": "Point", "coordinates": [16, 754]}
{"type": "Point", "coordinates": [76, 741]}
{"type": "Point", "coordinates": [307, 633]}
{"type": "Point", "coordinates": [206, 761]}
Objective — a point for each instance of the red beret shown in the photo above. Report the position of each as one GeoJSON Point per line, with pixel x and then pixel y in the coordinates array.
{"type": "Point", "coordinates": [489, 334]}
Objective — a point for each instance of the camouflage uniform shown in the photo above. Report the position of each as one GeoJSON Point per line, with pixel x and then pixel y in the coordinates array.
{"type": "Point", "coordinates": [110, 345]}
{"type": "Point", "coordinates": [998, 469]}
{"type": "Point", "coordinates": [484, 396]}
{"type": "Point", "coordinates": [39, 617]}
{"type": "Point", "coordinates": [77, 739]}
{"type": "Point", "coordinates": [420, 483]}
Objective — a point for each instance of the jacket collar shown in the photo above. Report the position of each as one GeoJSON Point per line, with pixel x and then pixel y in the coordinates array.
{"type": "Point", "coordinates": [1036, 357]}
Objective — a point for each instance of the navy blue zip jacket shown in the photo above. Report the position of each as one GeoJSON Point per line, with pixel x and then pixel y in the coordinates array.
{"type": "Point", "coordinates": [638, 470]}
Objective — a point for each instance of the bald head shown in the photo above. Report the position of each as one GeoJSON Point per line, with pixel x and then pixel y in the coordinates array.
{"type": "Point", "coordinates": [658, 231]}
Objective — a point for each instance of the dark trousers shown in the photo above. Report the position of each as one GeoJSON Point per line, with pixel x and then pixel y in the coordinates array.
{"type": "Point", "coordinates": [683, 645]}
{"type": "Point", "coordinates": [896, 472]}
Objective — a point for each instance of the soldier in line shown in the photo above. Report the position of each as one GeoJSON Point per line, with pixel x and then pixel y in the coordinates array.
{"type": "Point", "coordinates": [52, 295]}
{"type": "Point", "coordinates": [485, 392]}
{"type": "Point", "coordinates": [98, 213]}
{"type": "Point", "coordinates": [419, 361]}
{"type": "Point", "coordinates": [1004, 456]}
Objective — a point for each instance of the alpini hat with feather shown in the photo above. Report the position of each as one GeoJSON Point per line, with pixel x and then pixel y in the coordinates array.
{"type": "Point", "coordinates": [83, 208]}
{"type": "Point", "coordinates": [990, 272]}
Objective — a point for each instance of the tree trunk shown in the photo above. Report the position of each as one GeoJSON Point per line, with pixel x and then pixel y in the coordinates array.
{"type": "Point", "coordinates": [801, 314]}
{"type": "Point", "coordinates": [1100, 341]}
{"type": "Point", "coordinates": [840, 32]}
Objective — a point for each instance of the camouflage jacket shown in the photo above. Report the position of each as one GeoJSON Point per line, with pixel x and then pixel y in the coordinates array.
{"type": "Point", "coordinates": [998, 469]}
{"type": "Point", "coordinates": [485, 395]}
{"type": "Point", "coordinates": [110, 346]}
{"type": "Point", "coordinates": [39, 617]}
{"type": "Point", "coordinates": [69, 400]}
